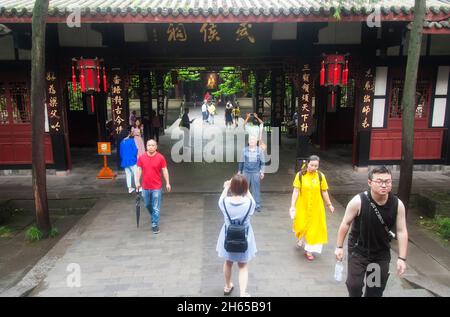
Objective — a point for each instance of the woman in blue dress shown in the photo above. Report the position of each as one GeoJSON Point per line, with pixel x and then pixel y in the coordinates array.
{"type": "Point", "coordinates": [237, 205]}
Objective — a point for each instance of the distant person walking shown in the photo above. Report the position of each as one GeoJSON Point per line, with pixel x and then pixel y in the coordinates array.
{"type": "Point", "coordinates": [372, 215]}
{"type": "Point", "coordinates": [308, 210]}
{"type": "Point", "coordinates": [132, 119]}
{"type": "Point", "coordinates": [205, 111]}
{"type": "Point", "coordinates": [228, 114]}
{"type": "Point", "coordinates": [128, 158]}
{"type": "Point", "coordinates": [137, 131]}
{"type": "Point", "coordinates": [251, 165]}
{"type": "Point", "coordinates": [156, 126]}
{"type": "Point", "coordinates": [236, 112]}
{"type": "Point", "coordinates": [186, 124]}
{"type": "Point", "coordinates": [211, 113]}
{"type": "Point", "coordinates": [150, 165]}
{"type": "Point", "coordinates": [239, 207]}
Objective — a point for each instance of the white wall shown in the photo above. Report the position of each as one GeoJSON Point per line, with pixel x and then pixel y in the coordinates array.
{"type": "Point", "coordinates": [83, 36]}
{"type": "Point", "coordinates": [341, 33]}
{"type": "Point", "coordinates": [440, 44]}
{"type": "Point", "coordinates": [7, 48]}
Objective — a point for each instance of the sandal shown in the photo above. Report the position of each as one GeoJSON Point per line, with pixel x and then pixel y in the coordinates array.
{"type": "Point", "coordinates": [228, 290]}
{"type": "Point", "coordinates": [309, 256]}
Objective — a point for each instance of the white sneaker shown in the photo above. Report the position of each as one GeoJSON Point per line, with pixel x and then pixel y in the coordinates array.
{"type": "Point", "coordinates": [130, 190]}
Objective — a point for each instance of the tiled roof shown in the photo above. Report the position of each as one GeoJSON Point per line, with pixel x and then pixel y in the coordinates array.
{"type": "Point", "coordinates": [224, 8]}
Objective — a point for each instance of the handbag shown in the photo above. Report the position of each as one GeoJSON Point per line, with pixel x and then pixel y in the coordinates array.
{"type": "Point", "coordinates": [236, 233]}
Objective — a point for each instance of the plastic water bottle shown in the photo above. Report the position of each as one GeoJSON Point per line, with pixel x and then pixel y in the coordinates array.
{"type": "Point", "coordinates": [338, 270]}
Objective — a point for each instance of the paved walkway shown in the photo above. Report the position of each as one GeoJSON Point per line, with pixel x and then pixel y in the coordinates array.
{"type": "Point", "coordinates": [117, 259]}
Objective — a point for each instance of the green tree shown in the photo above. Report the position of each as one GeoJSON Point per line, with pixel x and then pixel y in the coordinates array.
{"type": "Point", "coordinates": [39, 176]}
{"type": "Point", "coordinates": [409, 102]}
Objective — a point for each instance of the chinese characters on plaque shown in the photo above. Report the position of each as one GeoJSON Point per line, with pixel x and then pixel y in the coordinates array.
{"type": "Point", "coordinates": [305, 102]}
{"type": "Point", "coordinates": [53, 110]}
{"type": "Point", "coordinates": [176, 33]}
{"type": "Point", "coordinates": [365, 110]}
{"type": "Point", "coordinates": [210, 33]}
{"type": "Point", "coordinates": [118, 110]}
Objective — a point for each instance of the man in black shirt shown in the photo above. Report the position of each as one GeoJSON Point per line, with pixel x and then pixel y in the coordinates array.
{"type": "Point", "coordinates": [372, 215]}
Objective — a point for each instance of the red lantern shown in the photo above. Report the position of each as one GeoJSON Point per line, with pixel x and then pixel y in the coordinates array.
{"type": "Point", "coordinates": [90, 80]}
{"type": "Point", "coordinates": [332, 67]}
{"type": "Point", "coordinates": [333, 74]}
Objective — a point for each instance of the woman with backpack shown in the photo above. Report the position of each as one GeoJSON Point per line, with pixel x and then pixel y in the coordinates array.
{"type": "Point", "coordinates": [308, 209]}
{"type": "Point", "coordinates": [237, 210]}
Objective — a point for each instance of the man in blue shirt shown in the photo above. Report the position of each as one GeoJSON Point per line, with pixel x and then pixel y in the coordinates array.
{"type": "Point", "coordinates": [128, 159]}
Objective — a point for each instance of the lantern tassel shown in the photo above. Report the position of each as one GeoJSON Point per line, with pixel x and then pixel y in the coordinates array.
{"type": "Point", "coordinates": [98, 78]}
{"type": "Point", "coordinates": [105, 89]}
{"type": "Point", "coordinates": [92, 104]}
{"type": "Point", "coordinates": [335, 79]}
{"type": "Point", "coordinates": [74, 80]}
{"type": "Point", "coordinates": [83, 84]}
{"type": "Point", "coordinates": [345, 74]}
{"type": "Point", "coordinates": [322, 74]}
{"type": "Point", "coordinates": [332, 99]}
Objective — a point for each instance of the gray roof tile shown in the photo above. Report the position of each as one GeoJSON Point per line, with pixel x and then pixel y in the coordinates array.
{"type": "Point", "coordinates": [222, 7]}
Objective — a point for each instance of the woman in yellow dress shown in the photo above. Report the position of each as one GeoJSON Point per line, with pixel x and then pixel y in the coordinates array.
{"type": "Point", "coordinates": [307, 208]}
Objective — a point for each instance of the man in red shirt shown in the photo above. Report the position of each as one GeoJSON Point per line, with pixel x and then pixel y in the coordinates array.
{"type": "Point", "coordinates": [150, 165]}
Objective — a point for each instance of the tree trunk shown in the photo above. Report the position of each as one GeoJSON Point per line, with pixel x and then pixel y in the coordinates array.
{"type": "Point", "coordinates": [38, 116]}
{"type": "Point", "coordinates": [409, 102]}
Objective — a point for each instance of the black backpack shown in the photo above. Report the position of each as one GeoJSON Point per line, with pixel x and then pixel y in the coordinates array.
{"type": "Point", "coordinates": [236, 233]}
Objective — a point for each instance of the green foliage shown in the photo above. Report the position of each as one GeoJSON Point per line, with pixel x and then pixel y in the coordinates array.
{"type": "Point", "coordinates": [189, 74]}
{"type": "Point", "coordinates": [443, 226]}
{"type": "Point", "coordinates": [439, 224]}
{"type": "Point", "coordinates": [33, 234]}
{"type": "Point", "coordinates": [5, 232]}
{"type": "Point", "coordinates": [53, 232]}
{"type": "Point", "coordinates": [231, 82]}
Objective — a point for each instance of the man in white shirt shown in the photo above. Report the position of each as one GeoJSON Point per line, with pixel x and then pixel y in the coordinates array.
{"type": "Point", "coordinates": [205, 111]}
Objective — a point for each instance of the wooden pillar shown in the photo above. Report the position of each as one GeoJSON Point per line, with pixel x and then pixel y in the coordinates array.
{"type": "Point", "coordinates": [258, 106]}
{"type": "Point", "coordinates": [118, 105]}
{"type": "Point", "coordinates": [305, 119]}
{"type": "Point", "coordinates": [277, 98]}
{"type": "Point", "coordinates": [146, 102]}
{"type": "Point", "coordinates": [364, 115]}
{"type": "Point", "coordinates": [57, 122]}
{"type": "Point", "coordinates": [160, 96]}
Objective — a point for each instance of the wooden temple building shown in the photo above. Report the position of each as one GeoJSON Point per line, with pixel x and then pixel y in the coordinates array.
{"type": "Point", "coordinates": [345, 60]}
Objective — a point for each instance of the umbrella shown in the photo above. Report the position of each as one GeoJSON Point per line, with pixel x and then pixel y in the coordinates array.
{"type": "Point", "coordinates": [138, 208]}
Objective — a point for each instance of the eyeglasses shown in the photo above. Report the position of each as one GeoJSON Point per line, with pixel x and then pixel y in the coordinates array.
{"type": "Point", "coordinates": [387, 182]}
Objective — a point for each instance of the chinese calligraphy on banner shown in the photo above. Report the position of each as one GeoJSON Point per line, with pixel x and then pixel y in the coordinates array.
{"type": "Point", "coordinates": [305, 119]}
{"type": "Point", "coordinates": [53, 109]}
{"type": "Point", "coordinates": [160, 95]}
{"type": "Point", "coordinates": [365, 109]}
{"type": "Point", "coordinates": [277, 97]}
{"type": "Point", "coordinates": [117, 107]}
{"type": "Point", "coordinates": [259, 93]}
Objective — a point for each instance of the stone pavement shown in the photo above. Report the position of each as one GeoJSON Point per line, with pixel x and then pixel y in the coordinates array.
{"type": "Point", "coordinates": [116, 259]}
